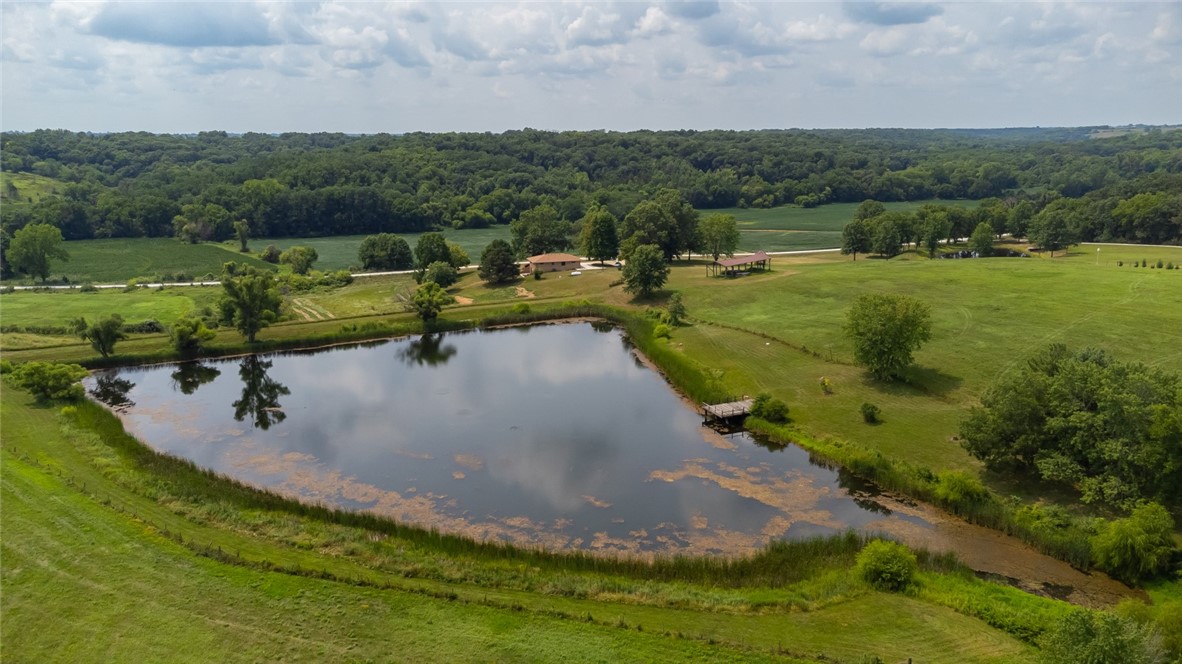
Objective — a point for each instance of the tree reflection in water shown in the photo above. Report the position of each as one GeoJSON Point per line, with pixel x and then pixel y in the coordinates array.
{"type": "Point", "coordinates": [192, 375]}
{"type": "Point", "coordinates": [428, 350]}
{"type": "Point", "coordinates": [260, 394]}
{"type": "Point", "coordinates": [112, 391]}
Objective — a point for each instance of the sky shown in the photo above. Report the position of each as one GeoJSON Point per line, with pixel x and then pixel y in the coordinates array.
{"type": "Point", "coordinates": [367, 67]}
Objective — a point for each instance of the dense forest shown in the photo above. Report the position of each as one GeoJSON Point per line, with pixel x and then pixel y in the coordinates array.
{"type": "Point", "coordinates": [1122, 188]}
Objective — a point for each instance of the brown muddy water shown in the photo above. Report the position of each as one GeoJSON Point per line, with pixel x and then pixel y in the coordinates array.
{"type": "Point", "coordinates": [553, 435]}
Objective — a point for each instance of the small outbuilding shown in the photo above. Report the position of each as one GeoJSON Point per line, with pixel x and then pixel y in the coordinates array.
{"type": "Point", "coordinates": [553, 263]}
{"type": "Point", "coordinates": [733, 267]}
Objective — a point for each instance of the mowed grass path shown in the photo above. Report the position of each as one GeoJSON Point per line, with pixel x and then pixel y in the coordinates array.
{"type": "Point", "coordinates": [793, 228]}
{"type": "Point", "coordinates": [114, 589]}
{"type": "Point", "coordinates": [988, 316]}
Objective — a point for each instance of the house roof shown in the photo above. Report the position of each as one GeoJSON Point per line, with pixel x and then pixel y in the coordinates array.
{"type": "Point", "coordinates": [554, 258]}
{"type": "Point", "coordinates": [744, 260]}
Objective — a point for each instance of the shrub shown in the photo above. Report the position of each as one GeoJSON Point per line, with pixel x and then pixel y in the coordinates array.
{"type": "Point", "coordinates": [958, 488]}
{"type": "Point", "coordinates": [1144, 263]}
{"type": "Point", "coordinates": [51, 381]}
{"type": "Point", "coordinates": [441, 273]}
{"type": "Point", "coordinates": [870, 413]}
{"type": "Point", "coordinates": [271, 254]}
{"type": "Point", "coordinates": [767, 408]}
{"type": "Point", "coordinates": [1170, 265]}
{"type": "Point", "coordinates": [1120, 263]}
{"type": "Point", "coordinates": [6, 367]}
{"type": "Point", "coordinates": [886, 565]}
{"type": "Point", "coordinates": [150, 326]}
{"type": "Point", "coordinates": [1159, 264]}
{"type": "Point", "coordinates": [537, 275]}
{"type": "Point", "coordinates": [1096, 636]}
{"type": "Point", "coordinates": [188, 335]}
{"type": "Point", "coordinates": [520, 308]}
{"type": "Point", "coordinates": [662, 331]}
{"type": "Point", "coordinates": [1138, 546]}
{"type": "Point", "coordinates": [87, 288]}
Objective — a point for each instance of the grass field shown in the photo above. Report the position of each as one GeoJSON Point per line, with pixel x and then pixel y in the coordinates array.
{"type": "Point", "coordinates": [988, 316]}
{"type": "Point", "coordinates": [340, 252]}
{"type": "Point", "coordinates": [793, 228]}
{"type": "Point", "coordinates": [30, 188]}
{"type": "Point", "coordinates": [57, 308]}
{"type": "Point", "coordinates": [116, 573]}
{"type": "Point", "coordinates": [116, 261]}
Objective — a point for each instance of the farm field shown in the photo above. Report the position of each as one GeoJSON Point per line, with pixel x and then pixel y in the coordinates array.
{"type": "Point", "coordinates": [118, 260]}
{"type": "Point", "coordinates": [57, 308]}
{"type": "Point", "coordinates": [793, 228]}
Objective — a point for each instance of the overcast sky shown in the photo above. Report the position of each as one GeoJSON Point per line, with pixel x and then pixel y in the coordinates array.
{"type": "Point", "coordinates": [489, 66]}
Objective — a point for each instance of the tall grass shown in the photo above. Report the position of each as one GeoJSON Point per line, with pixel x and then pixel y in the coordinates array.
{"type": "Point", "coordinates": [1064, 537]}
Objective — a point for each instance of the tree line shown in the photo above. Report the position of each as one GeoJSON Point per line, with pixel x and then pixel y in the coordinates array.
{"type": "Point", "coordinates": [198, 186]}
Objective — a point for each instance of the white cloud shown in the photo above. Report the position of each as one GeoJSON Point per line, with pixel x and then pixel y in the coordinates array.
{"type": "Point", "coordinates": [358, 67]}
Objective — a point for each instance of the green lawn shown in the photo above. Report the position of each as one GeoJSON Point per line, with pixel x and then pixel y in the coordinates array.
{"type": "Point", "coordinates": [793, 228]}
{"type": "Point", "coordinates": [116, 261]}
{"type": "Point", "coordinates": [340, 251]}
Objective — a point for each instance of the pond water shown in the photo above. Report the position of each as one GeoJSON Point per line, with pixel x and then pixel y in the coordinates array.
{"type": "Point", "coordinates": [552, 435]}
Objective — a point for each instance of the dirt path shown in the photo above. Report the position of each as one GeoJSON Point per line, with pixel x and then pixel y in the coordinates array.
{"type": "Point", "coordinates": [309, 311]}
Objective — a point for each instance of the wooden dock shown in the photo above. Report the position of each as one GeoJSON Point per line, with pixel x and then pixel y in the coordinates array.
{"type": "Point", "coordinates": [724, 411]}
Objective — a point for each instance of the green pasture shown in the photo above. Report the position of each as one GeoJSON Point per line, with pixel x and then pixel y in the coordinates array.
{"type": "Point", "coordinates": [793, 228]}
{"type": "Point", "coordinates": [340, 251]}
{"type": "Point", "coordinates": [51, 308]}
{"type": "Point", "coordinates": [988, 317]}
{"type": "Point", "coordinates": [30, 188]}
{"type": "Point", "coordinates": [118, 260]}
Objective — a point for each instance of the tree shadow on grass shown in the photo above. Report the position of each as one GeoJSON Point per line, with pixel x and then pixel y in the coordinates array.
{"type": "Point", "coordinates": [916, 381]}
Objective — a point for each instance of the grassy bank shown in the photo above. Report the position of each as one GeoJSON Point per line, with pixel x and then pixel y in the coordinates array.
{"type": "Point", "coordinates": [222, 551]}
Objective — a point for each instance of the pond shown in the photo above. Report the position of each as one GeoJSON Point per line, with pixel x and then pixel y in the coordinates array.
{"type": "Point", "coordinates": [553, 435]}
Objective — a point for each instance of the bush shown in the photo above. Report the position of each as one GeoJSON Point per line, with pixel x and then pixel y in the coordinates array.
{"type": "Point", "coordinates": [1096, 636]}
{"type": "Point", "coordinates": [766, 408]}
{"type": "Point", "coordinates": [1170, 265]}
{"type": "Point", "coordinates": [1136, 547]}
{"type": "Point", "coordinates": [188, 335]}
{"type": "Point", "coordinates": [537, 275]}
{"type": "Point", "coordinates": [51, 381]}
{"type": "Point", "coordinates": [886, 565]}
{"type": "Point", "coordinates": [1120, 263]}
{"type": "Point", "coordinates": [271, 254]}
{"type": "Point", "coordinates": [87, 288]}
{"type": "Point", "coordinates": [150, 326]}
{"type": "Point", "coordinates": [870, 413]}
{"type": "Point", "coordinates": [6, 367]}
{"type": "Point", "coordinates": [1159, 264]}
{"type": "Point", "coordinates": [520, 308]}
{"type": "Point", "coordinates": [441, 273]}
{"type": "Point", "coordinates": [958, 488]}
{"type": "Point", "coordinates": [662, 331]}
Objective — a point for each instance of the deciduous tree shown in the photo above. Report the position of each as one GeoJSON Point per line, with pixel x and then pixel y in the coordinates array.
{"type": "Point", "coordinates": [497, 264]}
{"type": "Point", "coordinates": [855, 238]}
{"type": "Point", "coordinates": [251, 300]}
{"type": "Point", "coordinates": [982, 240]}
{"type": "Point", "coordinates": [429, 299]}
{"type": "Point", "coordinates": [719, 234]}
{"type": "Point", "coordinates": [645, 270]}
{"type": "Point", "coordinates": [299, 258]}
{"type": "Point", "coordinates": [600, 241]}
{"type": "Point", "coordinates": [102, 335]}
{"type": "Point", "coordinates": [33, 247]}
{"type": "Point", "coordinates": [886, 329]}
{"type": "Point", "coordinates": [385, 251]}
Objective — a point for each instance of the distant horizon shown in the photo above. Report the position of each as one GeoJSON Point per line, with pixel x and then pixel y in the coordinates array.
{"type": "Point", "coordinates": [663, 65]}
{"type": "Point", "coordinates": [1136, 125]}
